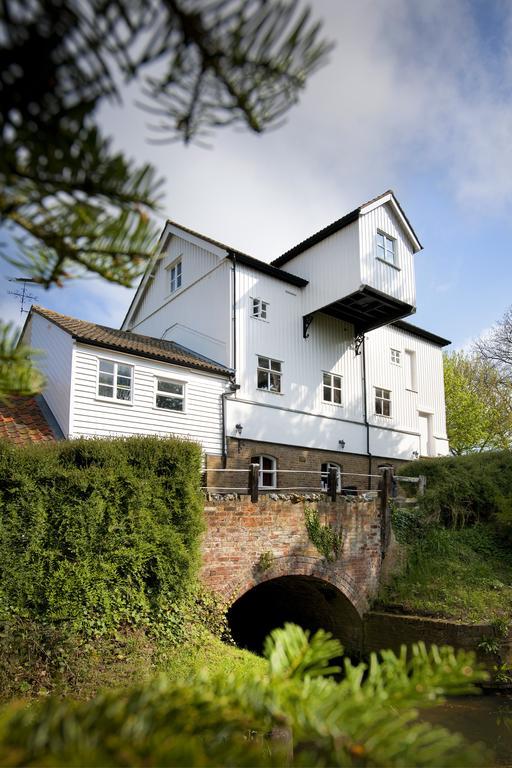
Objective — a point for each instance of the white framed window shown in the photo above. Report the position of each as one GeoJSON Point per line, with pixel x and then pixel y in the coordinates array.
{"type": "Point", "coordinates": [386, 248]}
{"type": "Point", "coordinates": [175, 271]}
{"type": "Point", "coordinates": [332, 388]}
{"type": "Point", "coordinates": [269, 374]}
{"type": "Point", "coordinates": [259, 309]}
{"type": "Point", "coordinates": [267, 475]}
{"type": "Point", "coordinates": [324, 477]}
{"type": "Point", "coordinates": [115, 380]}
{"type": "Point", "coordinates": [396, 356]}
{"type": "Point", "coordinates": [382, 402]}
{"type": "Point", "coordinates": [170, 395]}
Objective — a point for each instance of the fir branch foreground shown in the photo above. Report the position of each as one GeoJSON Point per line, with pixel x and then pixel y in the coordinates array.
{"type": "Point", "coordinates": [292, 714]}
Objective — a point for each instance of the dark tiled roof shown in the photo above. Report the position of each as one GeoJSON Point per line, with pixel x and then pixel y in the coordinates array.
{"type": "Point", "coordinates": [130, 343]}
{"type": "Point", "coordinates": [22, 422]}
{"type": "Point", "coordinates": [335, 227]}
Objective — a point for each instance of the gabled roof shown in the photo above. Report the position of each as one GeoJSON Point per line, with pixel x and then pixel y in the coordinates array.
{"type": "Point", "coordinates": [130, 343]}
{"type": "Point", "coordinates": [349, 218]}
{"type": "Point", "coordinates": [22, 422]}
{"type": "Point", "coordinates": [223, 250]}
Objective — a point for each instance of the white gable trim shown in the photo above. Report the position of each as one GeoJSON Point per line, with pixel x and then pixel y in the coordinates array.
{"type": "Point", "coordinates": [390, 199]}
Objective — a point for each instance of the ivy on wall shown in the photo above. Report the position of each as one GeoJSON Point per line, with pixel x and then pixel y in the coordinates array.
{"type": "Point", "coordinates": [326, 539]}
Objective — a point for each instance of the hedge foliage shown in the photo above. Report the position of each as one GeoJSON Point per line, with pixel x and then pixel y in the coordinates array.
{"type": "Point", "coordinates": [99, 532]}
{"type": "Point", "coordinates": [459, 489]}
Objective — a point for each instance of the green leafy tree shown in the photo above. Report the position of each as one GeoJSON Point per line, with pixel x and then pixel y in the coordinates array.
{"type": "Point", "coordinates": [292, 714]}
{"type": "Point", "coordinates": [69, 202]}
{"type": "Point", "coordinates": [478, 404]}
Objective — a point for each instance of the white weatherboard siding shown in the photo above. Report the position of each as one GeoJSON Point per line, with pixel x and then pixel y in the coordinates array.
{"type": "Point", "coordinates": [332, 267]}
{"type": "Point", "coordinates": [201, 420]}
{"type": "Point", "coordinates": [427, 396]}
{"type": "Point", "coordinates": [197, 316]}
{"type": "Point", "coordinates": [56, 363]}
{"type": "Point", "coordinates": [397, 282]}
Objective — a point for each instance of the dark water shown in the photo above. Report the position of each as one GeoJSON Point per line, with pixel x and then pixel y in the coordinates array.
{"type": "Point", "coordinates": [486, 718]}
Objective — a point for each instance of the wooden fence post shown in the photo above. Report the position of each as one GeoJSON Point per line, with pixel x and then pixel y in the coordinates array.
{"type": "Point", "coordinates": [385, 487]}
{"type": "Point", "coordinates": [254, 476]}
{"type": "Point", "coordinates": [332, 483]}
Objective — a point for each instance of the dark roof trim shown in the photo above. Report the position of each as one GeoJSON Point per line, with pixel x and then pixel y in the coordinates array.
{"type": "Point", "coordinates": [349, 218]}
{"type": "Point", "coordinates": [267, 269]}
{"type": "Point", "coordinates": [415, 331]}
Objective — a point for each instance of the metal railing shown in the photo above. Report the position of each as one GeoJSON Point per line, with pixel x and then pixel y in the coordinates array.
{"type": "Point", "coordinates": [330, 483]}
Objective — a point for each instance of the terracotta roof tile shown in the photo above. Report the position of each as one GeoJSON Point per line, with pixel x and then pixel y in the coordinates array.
{"type": "Point", "coordinates": [131, 343]}
{"type": "Point", "coordinates": [22, 422]}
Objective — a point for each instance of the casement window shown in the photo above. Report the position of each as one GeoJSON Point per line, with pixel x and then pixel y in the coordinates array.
{"type": "Point", "coordinates": [170, 395]}
{"type": "Point", "coordinates": [260, 309]}
{"type": "Point", "coordinates": [115, 380]}
{"type": "Point", "coordinates": [324, 477]}
{"type": "Point", "coordinates": [410, 370]}
{"type": "Point", "coordinates": [395, 356]}
{"type": "Point", "coordinates": [175, 277]}
{"type": "Point", "coordinates": [332, 388]}
{"type": "Point", "coordinates": [382, 402]}
{"type": "Point", "coordinates": [386, 248]}
{"type": "Point", "coordinates": [267, 476]}
{"type": "Point", "coordinates": [269, 374]}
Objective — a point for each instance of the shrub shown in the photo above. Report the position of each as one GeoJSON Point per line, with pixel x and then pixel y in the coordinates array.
{"type": "Point", "coordinates": [367, 719]}
{"type": "Point", "coordinates": [98, 532]}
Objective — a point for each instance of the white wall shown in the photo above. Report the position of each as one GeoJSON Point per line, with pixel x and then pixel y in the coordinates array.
{"type": "Point", "coordinates": [427, 397]}
{"type": "Point", "coordinates": [398, 281]}
{"type": "Point", "coordinates": [55, 362]}
{"type": "Point", "coordinates": [201, 420]}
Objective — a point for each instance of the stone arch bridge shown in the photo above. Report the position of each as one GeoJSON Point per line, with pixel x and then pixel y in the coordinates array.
{"type": "Point", "coordinates": [259, 558]}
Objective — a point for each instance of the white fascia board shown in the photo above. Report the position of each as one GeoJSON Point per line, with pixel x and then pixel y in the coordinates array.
{"type": "Point", "coordinates": [206, 244]}
{"type": "Point", "coordinates": [389, 198]}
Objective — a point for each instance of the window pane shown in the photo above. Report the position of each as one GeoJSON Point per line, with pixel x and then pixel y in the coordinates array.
{"type": "Point", "coordinates": [327, 394]}
{"type": "Point", "coordinates": [107, 378]}
{"type": "Point", "coordinates": [266, 463]}
{"type": "Point", "coordinates": [255, 307]}
{"type": "Point", "coordinates": [337, 396]}
{"type": "Point", "coordinates": [124, 370]}
{"type": "Point", "coordinates": [263, 362]}
{"type": "Point", "coordinates": [275, 382]}
{"type": "Point", "coordinates": [124, 381]}
{"type": "Point", "coordinates": [105, 391]}
{"type": "Point", "coordinates": [327, 379]}
{"type": "Point", "coordinates": [262, 380]}
{"type": "Point", "coordinates": [386, 408]}
{"type": "Point", "coordinates": [106, 366]}
{"type": "Point", "coordinates": [380, 240]}
{"type": "Point", "coordinates": [337, 382]}
{"type": "Point", "coordinates": [275, 365]}
{"type": "Point", "coordinates": [169, 403]}
{"type": "Point", "coordinates": [123, 394]}
{"type": "Point", "coordinates": [170, 386]}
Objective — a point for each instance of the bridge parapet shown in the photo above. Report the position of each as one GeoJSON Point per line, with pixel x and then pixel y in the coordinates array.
{"type": "Point", "coordinates": [248, 543]}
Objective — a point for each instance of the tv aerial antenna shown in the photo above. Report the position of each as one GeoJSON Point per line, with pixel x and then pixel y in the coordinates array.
{"type": "Point", "coordinates": [23, 292]}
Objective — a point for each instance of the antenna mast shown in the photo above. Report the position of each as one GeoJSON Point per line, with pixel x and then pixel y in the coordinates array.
{"type": "Point", "coordinates": [23, 294]}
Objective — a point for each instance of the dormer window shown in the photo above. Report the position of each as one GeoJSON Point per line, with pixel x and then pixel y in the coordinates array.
{"type": "Point", "coordinates": [386, 248]}
{"type": "Point", "coordinates": [260, 309]}
{"type": "Point", "coordinates": [175, 276]}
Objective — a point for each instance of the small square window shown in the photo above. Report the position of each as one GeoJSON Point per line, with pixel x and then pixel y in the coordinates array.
{"type": "Point", "coordinates": [386, 248]}
{"type": "Point", "coordinates": [269, 374]}
{"type": "Point", "coordinates": [170, 395]}
{"type": "Point", "coordinates": [382, 402]}
{"type": "Point", "coordinates": [115, 380]}
{"type": "Point", "coordinates": [260, 309]}
{"type": "Point", "coordinates": [332, 388]}
{"type": "Point", "coordinates": [395, 356]}
{"type": "Point", "coordinates": [175, 277]}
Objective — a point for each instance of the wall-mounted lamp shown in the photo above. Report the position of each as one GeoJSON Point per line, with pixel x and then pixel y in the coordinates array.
{"type": "Point", "coordinates": [415, 454]}
{"type": "Point", "coordinates": [342, 444]}
{"type": "Point", "coordinates": [238, 429]}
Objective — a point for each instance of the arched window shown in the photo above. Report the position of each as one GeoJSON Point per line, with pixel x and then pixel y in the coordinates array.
{"type": "Point", "coordinates": [267, 473]}
{"type": "Point", "coordinates": [324, 477]}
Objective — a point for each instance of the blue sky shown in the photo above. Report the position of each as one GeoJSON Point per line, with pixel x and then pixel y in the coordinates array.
{"type": "Point", "coordinates": [417, 97]}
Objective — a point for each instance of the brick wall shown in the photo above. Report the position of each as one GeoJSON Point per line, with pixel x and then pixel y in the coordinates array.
{"type": "Point", "coordinates": [239, 532]}
{"type": "Point", "coordinates": [299, 460]}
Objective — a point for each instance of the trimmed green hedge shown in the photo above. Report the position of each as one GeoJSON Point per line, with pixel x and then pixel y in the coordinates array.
{"type": "Point", "coordinates": [460, 488]}
{"type": "Point", "coordinates": [101, 532]}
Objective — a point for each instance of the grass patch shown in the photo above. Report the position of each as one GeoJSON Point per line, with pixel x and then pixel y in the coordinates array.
{"type": "Point", "coordinates": [463, 574]}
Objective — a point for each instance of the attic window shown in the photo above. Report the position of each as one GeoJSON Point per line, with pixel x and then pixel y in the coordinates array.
{"type": "Point", "coordinates": [386, 248]}
{"type": "Point", "coordinates": [175, 276]}
{"type": "Point", "coordinates": [260, 309]}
